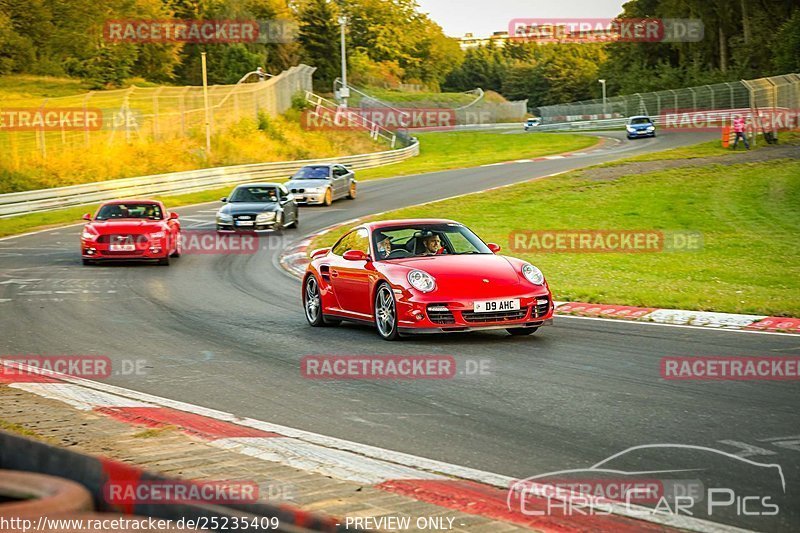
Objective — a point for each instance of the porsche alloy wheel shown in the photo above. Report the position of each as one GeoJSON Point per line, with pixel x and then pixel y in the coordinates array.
{"type": "Point", "coordinates": [386, 313]}
{"type": "Point", "coordinates": [312, 302]}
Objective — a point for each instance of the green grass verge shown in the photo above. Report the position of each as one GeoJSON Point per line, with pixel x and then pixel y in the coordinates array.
{"type": "Point", "coordinates": [748, 214]}
{"type": "Point", "coordinates": [438, 154]}
{"type": "Point", "coordinates": [451, 150]}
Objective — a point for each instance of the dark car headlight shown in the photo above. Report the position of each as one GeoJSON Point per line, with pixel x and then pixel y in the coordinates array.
{"type": "Point", "coordinates": [263, 218]}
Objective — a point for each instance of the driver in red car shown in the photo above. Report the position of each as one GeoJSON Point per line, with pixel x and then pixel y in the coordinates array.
{"type": "Point", "coordinates": [432, 244]}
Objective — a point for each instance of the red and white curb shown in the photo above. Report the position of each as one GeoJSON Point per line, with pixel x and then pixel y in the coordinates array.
{"type": "Point", "coordinates": [442, 484]}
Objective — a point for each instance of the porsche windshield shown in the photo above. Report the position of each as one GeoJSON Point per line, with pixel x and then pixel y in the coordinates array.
{"type": "Point", "coordinates": [312, 173]}
{"type": "Point", "coordinates": [115, 211]}
{"type": "Point", "coordinates": [426, 240]}
{"type": "Point", "coordinates": [259, 195]}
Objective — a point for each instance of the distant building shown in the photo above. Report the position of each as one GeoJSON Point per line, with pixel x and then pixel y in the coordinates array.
{"type": "Point", "coordinates": [545, 34]}
{"type": "Point", "coordinates": [498, 39]}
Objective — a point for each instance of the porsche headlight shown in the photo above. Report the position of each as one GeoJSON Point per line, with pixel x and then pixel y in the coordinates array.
{"type": "Point", "coordinates": [422, 281]}
{"type": "Point", "coordinates": [532, 274]}
{"type": "Point", "coordinates": [222, 217]}
{"type": "Point", "coordinates": [265, 217]}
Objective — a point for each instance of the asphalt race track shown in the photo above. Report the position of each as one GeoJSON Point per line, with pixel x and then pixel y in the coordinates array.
{"type": "Point", "coordinates": [228, 332]}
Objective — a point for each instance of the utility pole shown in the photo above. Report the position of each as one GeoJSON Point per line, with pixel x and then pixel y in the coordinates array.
{"type": "Point", "coordinates": [603, 83]}
{"type": "Point", "coordinates": [205, 104]}
{"type": "Point", "coordinates": [344, 92]}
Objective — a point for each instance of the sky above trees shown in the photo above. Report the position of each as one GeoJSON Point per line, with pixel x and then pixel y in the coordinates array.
{"type": "Point", "coordinates": [482, 17]}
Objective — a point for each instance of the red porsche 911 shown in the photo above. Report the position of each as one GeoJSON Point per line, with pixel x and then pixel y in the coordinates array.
{"type": "Point", "coordinates": [423, 276]}
{"type": "Point", "coordinates": [131, 230]}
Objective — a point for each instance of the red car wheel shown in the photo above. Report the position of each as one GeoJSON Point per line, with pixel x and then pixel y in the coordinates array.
{"type": "Point", "coordinates": [386, 313]}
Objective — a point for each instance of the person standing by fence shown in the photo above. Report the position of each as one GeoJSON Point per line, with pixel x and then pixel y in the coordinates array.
{"type": "Point", "coordinates": [738, 129]}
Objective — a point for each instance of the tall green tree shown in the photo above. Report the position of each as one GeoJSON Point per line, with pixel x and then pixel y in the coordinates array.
{"type": "Point", "coordinates": [319, 38]}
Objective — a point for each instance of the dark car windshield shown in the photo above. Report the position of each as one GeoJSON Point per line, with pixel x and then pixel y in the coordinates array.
{"type": "Point", "coordinates": [397, 242]}
{"type": "Point", "coordinates": [312, 173]}
{"type": "Point", "coordinates": [259, 195]}
{"type": "Point", "coordinates": [133, 210]}
{"type": "Point", "coordinates": [640, 120]}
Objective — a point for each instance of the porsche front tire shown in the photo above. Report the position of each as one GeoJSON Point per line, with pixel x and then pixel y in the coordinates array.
{"type": "Point", "coordinates": [385, 311]}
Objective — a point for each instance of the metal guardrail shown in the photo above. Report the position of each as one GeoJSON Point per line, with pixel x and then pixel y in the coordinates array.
{"type": "Point", "coordinates": [19, 203]}
{"type": "Point", "coordinates": [587, 124]}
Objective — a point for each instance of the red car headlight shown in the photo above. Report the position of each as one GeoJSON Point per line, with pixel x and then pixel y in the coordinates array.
{"type": "Point", "coordinates": [421, 280]}
{"type": "Point", "coordinates": [88, 235]}
{"type": "Point", "coordinates": [532, 274]}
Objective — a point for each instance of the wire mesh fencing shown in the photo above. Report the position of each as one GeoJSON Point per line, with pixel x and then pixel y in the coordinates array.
{"type": "Point", "coordinates": [778, 93]}
{"type": "Point", "coordinates": [44, 128]}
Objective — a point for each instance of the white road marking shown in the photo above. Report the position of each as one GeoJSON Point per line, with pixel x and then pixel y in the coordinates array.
{"type": "Point", "coordinates": [80, 397]}
{"type": "Point", "coordinates": [321, 460]}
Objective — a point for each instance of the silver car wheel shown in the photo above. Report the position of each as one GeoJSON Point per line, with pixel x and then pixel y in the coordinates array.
{"type": "Point", "coordinates": [312, 300]}
{"type": "Point", "coordinates": [385, 311]}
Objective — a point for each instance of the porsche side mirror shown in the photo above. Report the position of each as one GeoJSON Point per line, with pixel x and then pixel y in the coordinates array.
{"type": "Point", "coordinates": [493, 247]}
{"type": "Point", "coordinates": [87, 216]}
{"type": "Point", "coordinates": [173, 216]}
{"type": "Point", "coordinates": [224, 199]}
{"type": "Point", "coordinates": [355, 255]}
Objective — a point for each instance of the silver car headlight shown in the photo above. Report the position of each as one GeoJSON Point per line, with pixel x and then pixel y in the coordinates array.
{"type": "Point", "coordinates": [532, 274]}
{"type": "Point", "coordinates": [422, 281]}
{"type": "Point", "coordinates": [265, 217]}
{"type": "Point", "coordinates": [222, 217]}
